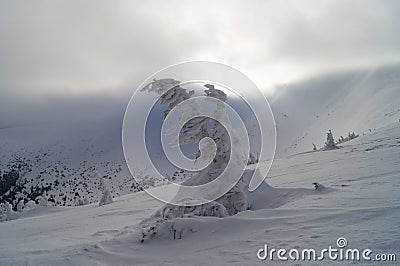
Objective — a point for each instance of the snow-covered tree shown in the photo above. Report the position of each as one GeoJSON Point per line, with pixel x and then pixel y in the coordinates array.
{"type": "Point", "coordinates": [314, 147]}
{"type": "Point", "coordinates": [234, 201]}
{"type": "Point", "coordinates": [106, 197]}
{"type": "Point", "coordinates": [8, 209]}
{"type": "Point", "coordinates": [20, 205]}
{"type": "Point", "coordinates": [330, 141]}
{"type": "Point", "coordinates": [2, 208]}
{"type": "Point", "coordinates": [171, 95]}
{"type": "Point", "coordinates": [8, 212]}
{"type": "Point", "coordinates": [82, 201]}
{"type": "Point", "coordinates": [42, 201]}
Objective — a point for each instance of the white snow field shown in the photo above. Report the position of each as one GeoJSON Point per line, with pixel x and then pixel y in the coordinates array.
{"type": "Point", "coordinates": [358, 200]}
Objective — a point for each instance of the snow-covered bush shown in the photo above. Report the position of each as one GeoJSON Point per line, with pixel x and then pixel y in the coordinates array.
{"type": "Point", "coordinates": [30, 205]}
{"type": "Point", "coordinates": [164, 220]}
{"type": "Point", "coordinates": [212, 209]}
{"type": "Point", "coordinates": [349, 137]}
{"type": "Point", "coordinates": [235, 200]}
{"type": "Point", "coordinates": [106, 197]}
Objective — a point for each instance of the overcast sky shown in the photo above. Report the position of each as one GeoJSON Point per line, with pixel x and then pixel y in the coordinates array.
{"type": "Point", "coordinates": [60, 51]}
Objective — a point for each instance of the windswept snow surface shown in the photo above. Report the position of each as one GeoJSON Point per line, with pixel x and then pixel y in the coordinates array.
{"type": "Point", "coordinates": [359, 200]}
{"type": "Point", "coordinates": [359, 101]}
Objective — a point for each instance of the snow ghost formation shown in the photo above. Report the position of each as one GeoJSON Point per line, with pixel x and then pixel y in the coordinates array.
{"type": "Point", "coordinates": [106, 197]}
{"type": "Point", "coordinates": [234, 201]}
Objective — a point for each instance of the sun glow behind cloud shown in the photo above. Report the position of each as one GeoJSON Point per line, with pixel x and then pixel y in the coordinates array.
{"type": "Point", "coordinates": [98, 48]}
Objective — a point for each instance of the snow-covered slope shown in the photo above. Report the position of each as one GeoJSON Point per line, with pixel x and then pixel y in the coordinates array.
{"type": "Point", "coordinates": [353, 101]}
{"type": "Point", "coordinates": [359, 201]}
{"type": "Point", "coordinates": [61, 158]}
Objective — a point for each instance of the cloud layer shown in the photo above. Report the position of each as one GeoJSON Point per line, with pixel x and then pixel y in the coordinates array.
{"type": "Point", "coordinates": [63, 49]}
